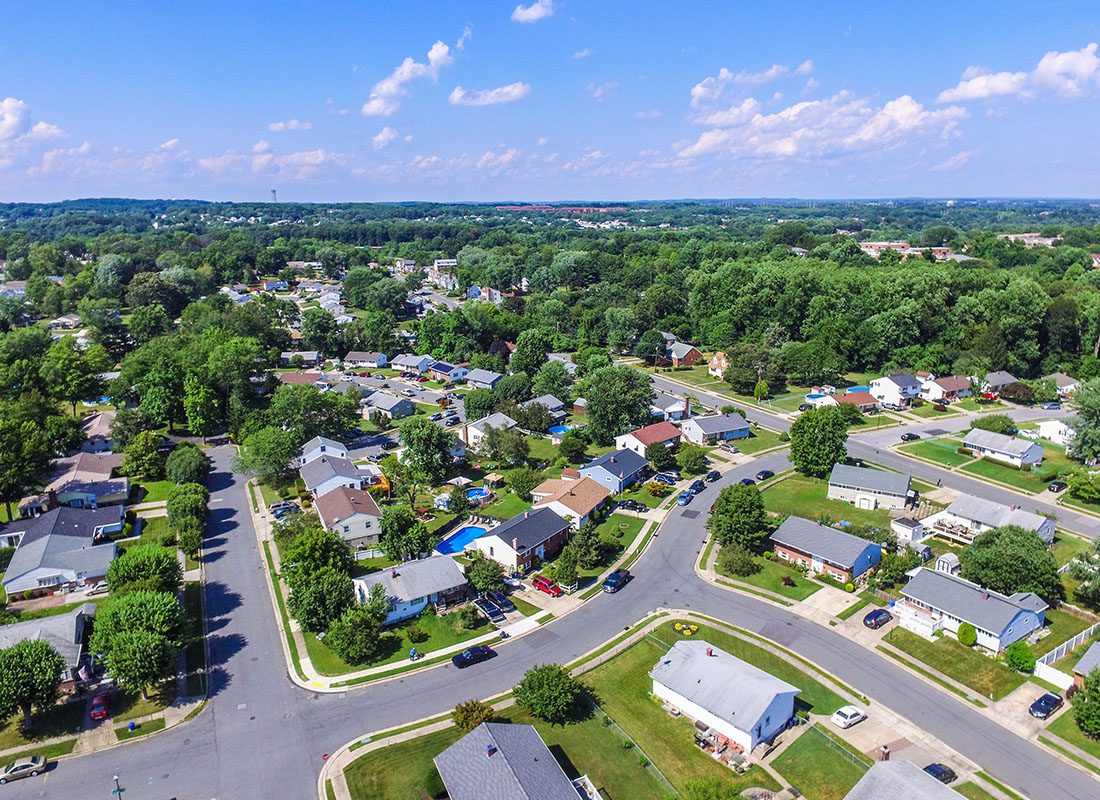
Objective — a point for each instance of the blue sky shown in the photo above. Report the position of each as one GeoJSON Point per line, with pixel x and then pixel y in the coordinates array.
{"type": "Point", "coordinates": [552, 99]}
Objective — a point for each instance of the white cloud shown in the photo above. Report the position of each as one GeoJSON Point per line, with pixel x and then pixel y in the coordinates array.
{"type": "Point", "coordinates": [543, 141]}
{"type": "Point", "coordinates": [385, 137]}
{"type": "Point", "coordinates": [540, 9]}
{"type": "Point", "coordinates": [711, 88]}
{"type": "Point", "coordinates": [585, 53]}
{"type": "Point", "coordinates": [408, 137]}
{"type": "Point", "coordinates": [63, 160]}
{"type": "Point", "coordinates": [18, 135]}
{"type": "Point", "coordinates": [591, 158]}
{"type": "Point", "coordinates": [425, 162]}
{"type": "Point", "coordinates": [14, 118]}
{"type": "Point", "coordinates": [734, 115]}
{"type": "Point", "coordinates": [495, 161]}
{"type": "Point", "coordinates": [41, 131]}
{"type": "Point", "coordinates": [298, 166]}
{"type": "Point", "coordinates": [1068, 75]}
{"type": "Point", "coordinates": [386, 95]}
{"type": "Point", "coordinates": [648, 113]}
{"type": "Point", "coordinates": [602, 91]}
{"type": "Point", "coordinates": [956, 161]}
{"type": "Point", "coordinates": [487, 97]}
{"type": "Point", "coordinates": [464, 37]}
{"type": "Point", "coordinates": [261, 146]}
{"type": "Point", "coordinates": [290, 125]}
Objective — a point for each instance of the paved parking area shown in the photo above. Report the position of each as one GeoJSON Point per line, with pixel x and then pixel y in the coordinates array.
{"type": "Point", "coordinates": [1012, 710]}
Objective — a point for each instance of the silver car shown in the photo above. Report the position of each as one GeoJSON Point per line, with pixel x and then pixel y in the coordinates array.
{"type": "Point", "coordinates": [23, 768]}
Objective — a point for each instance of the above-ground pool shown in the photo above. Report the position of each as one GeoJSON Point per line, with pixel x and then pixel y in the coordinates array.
{"type": "Point", "coordinates": [477, 494]}
{"type": "Point", "coordinates": [558, 429]}
{"type": "Point", "coordinates": [457, 541]}
{"type": "Point", "coordinates": [858, 389]}
{"type": "Point", "coordinates": [812, 397]}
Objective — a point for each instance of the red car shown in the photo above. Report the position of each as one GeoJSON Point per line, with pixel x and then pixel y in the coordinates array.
{"type": "Point", "coordinates": [421, 379]}
{"type": "Point", "coordinates": [101, 707]}
{"type": "Point", "coordinates": [364, 374]}
{"type": "Point", "coordinates": [544, 584]}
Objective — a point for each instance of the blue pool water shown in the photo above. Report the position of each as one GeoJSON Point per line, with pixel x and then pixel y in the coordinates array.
{"type": "Point", "coordinates": [859, 389]}
{"type": "Point", "coordinates": [477, 493]}
{"type": "Point", "coordinates": [814, 396]}
{"type": "Point", "coordinates": [559, 429]}
{"type": "Point", "coordinates": [457, 541]}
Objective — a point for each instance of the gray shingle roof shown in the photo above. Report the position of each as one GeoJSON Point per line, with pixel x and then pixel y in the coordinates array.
{"type": "Point", "coordinates": [623, 463]}
{"type": "Point", "coordinates": [993, 514]}
{"type": "Point", "coordinates": [1000, 378]}
{"type": "Point", "coordinates": [330, 445]}
{"type": "Point", "coordinates": [1062, 380]}
{"type": "Point", "coordinates": [386, 401]}
{"type": "Point", "coordinates": [680, 349]}
{"type": "Point", "coordinates": [416, 579]}
{"type": "Point", "coordinates": [552, 403]}
{"type": "Point", "coordinates": [64, 631]}
{"type": "Point", "coordinates": [321, 469]}
{"type": "Point", "coordinates": [999, 442]}
{"type": "Point", "coordinates": [721, 683]}
{"type": "Point", "coordinates": [721, 423]}
{"type": "Point", "coordinates": [520, 767]}
{"type": "Point", "coordinates": [1089, 661]}
{"type": "Point", "coordinates": [531, 528]}
{"type": "Point", "coordinates": [482, 376]}
{"type": "Point", "coordinates": [982, 608]}
{"type": "Point", "coordinates": [878, 480]}
{"type": "Point", "coordinates": [900, 780]}
{"type": "Point", "coordinates": [494, 420]}
{"type": "Point", "coordinates": [905, 381]}
{"type": "Point", "coordinates": [63, 538]}
{"type": "Point", "coordinates": [829, 544]}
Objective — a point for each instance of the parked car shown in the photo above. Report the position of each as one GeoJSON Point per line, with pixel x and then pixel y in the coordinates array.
{"type": "Point", "coordinates": [697, 486]}
{"type": "Point", "coordinates": [1046, 705]}
{"type": "Point", "coordinates": [616, 580]}
{"type": "Point", "coordinates": [515, 583]}
{"type": "Point", "coordinates": [544, 584]}
{"type": "Point", "coordinates": [451, 421]}
{"type": "Point", "coordinates": [846, 717]}
{"type": "Point", "coordinates": [1052, 406]}
{"type": "Point", "coordinates": [1057, 486]}
{"type": "Point", "coordinates": [748, 482]}
{"type": "Point", "coordinates": [660, 477]}
{"type": "Point", "coordinates": [23, 768]}
{"type": "Point", "coordinates": [713, 475]}
{"type": "Point", "coordinates": [101, 707]}
{"type": "Point", "coordinates": [877, 618]}
{"type": "Point", "coordinates": [805, 407]}
{"type": "Point", "coordinates": [488, 609]}
{"type": "Point", "coordinates": [472, 655]}
{"type": "Point", "coordinates": [671, 473]}
{"type": "Point", "coordinates": [633, 505]}
{"type": "Point", "coordinates": [909, 437]}
{"type": "Point", "coordinates": [390, 444]}
{"type": "Point", "coordinates": [409, 392]}
{"type": "Point", "coordinates": [501, 601]}
{"type": "Point", "coordinates": [684, 498]}
{"type": "Point", "coordinates": [282, 513]}
{"type": "Point", "coordinates": [421, 379]}
{"type": "Point", "coordinates": [436, 416]}
{"type": "Point", "coordinates": [279, 504]}
{"type": "Point", "coordinates": [729, 448]}
{"type": "Point", "coordinates": [764, 474]}
{"type": "Point", "coordinates": [99, 588]}
{"type": "Point", "coordinates": [942, 773]}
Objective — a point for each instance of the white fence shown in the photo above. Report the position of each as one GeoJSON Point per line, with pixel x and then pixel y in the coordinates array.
{"type": "Point", "coordinates": [1071, 644]}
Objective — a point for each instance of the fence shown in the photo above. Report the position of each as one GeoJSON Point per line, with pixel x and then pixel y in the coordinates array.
{"type": "Point", "coordinates": [859, 761]}
{"type": "Point", "coordinates": [1069, 645]}
{"type": "Point", "coordinates": [649, 765]}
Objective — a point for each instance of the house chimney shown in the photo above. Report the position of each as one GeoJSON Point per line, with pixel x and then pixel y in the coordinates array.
{"type": "Point", "coordinates": [489, 750]}
{"type": "Point", "coordinates": [515, 543]}
{"type": "Point", "coordinates": [710, 651]}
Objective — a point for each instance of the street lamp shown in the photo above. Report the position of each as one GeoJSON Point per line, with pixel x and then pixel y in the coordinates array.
{"type": "Point", "coordinates": [118, 790]}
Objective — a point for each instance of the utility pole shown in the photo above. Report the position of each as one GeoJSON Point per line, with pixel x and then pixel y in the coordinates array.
{"type": "Point", "coordinates": [118, 790]}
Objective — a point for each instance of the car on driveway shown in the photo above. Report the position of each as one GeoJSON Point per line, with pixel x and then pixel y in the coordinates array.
{"type": "Point", "coordinates": [909, 437]}
{"type": "Point", "coordinates": [544, 584]}
{"type": "Point", "coordinates": [472, 655]}
{"type": "Point", "coordinates": [501, 601]}
{"type": "Point", "coordinates": [764, 474]}
{"type": "Point", "coordinates": [101, 707]}
{"type": "Point", "coordinates": [847, 717]}
{"type": "Point", "coordinates": [616, 580]}
{"type": "Point", "coordinates": [942, 773]}
{"type": "Point", "coordinates": [390, 444]}
{"type": "Point", "coordinates": [451, 421]}
{"type": "Point", "coordinates": [665, 479]}
{"type": "Point", "coordinates": [1057, 486]}
{"type": "Point", "coordinates": [877, 618]}
{"type": "Point", "coordinates": [634, 505]}
{"type": "Point", "coordinates": [748, 482]}
{"type": "Point", "coordinates": [713, 475]}
{"type": "Point", "coordinates": [671, 474]}
{"type": "Point", "coordinates": [729, 448]}
{"type": "Point", "coordinates": [1052, 406]}
{"type": "Point", "coordinates": [1046, 705]}
{"type": "Point", "coordinates": [99, 588]}
{"type": "Point", "coordinates": [805, 407]}
{"type": "Point", "coordinates": [488, 609]}
{"type": "Point", "coordinates": [23, 768]}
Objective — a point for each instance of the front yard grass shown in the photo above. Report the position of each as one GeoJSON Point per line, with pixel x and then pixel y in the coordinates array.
{"type": "Point", "coordinates": [506, 505]}
{"type": "Point", "coordinates": [141, 729]}
{"type": "Point", "coordinates": [128, 705]}
{"type": "Point", "coordinates": [978, 405]}
{"type": "Point", "coordinates": [60, 720]}
{"type": "Point", "coordinates": [986, 677]}
{"type": "Point", "coordinates": [641, 494]}
{"type": "Point", "coordinates": [928, 411]}
{"type": "Point", "coordinates": [942, 451]}
{"type": "Point", "coordinates": [761, 439]}
{"type": "Point", "coordinates": [820, 767]}
{"type": "Point", "coordinates": [1055, 465]}
{"type": "Point", "coordinates": [771, 577]}
{"type": "Point", "coordinates": [807, 497]}
{"type": "Point", "coordinates": [541, 449]}
{"type": "Point", "coordinates": [973, 791]}
{"type": "Point", "coordinates": [151, 492]}
{"type": "Point", "coordinates": [1065, 727]}
{"type": "Point", "coordinates": [1063, 627]}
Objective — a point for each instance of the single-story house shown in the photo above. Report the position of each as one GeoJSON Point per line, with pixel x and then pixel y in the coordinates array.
{"type": "Point", "coordinates": [999, 447]}
{"type": "Point", "coordinates": [410, 362]}
{"type": "Point", "coordinates": [66, 322]}
{"type": "Point", "coordinates": [353, 515]}
{"type": "Point", "coordinates": [505, 762]}
{"type": "Point", "coordinates": [715, 428]}
{"type": "Point", "coordinates": [83, 480]}
{"type": "Point", "coordinates": [951, 387]}
{"type": "Point", "coordinates": [940, 601]}
{"type": "Point", "coordinates": [1066, 384]}
{"type": "Point", "coordinates": [718, 364]}
{"type": "Point", "coordinates": [360, 359]}
{"type": "Point", "coordinates": [552, 404]}
{"type": "Point", "coordinates": [669, 407]}
{"type": "Point", "coordinates": [483, 378]}
{"type": "Point", "coordinates": [389, 405]}
{"type": "Point", "coordinates": [868, 488]}
{"type": "Point", "coordinates": [448, 373]}
{"type": "Point", "coordinates": [574, 501]}
{"type": "Point", "coordinates": [969, 516]}
{"type": "Point", "coordinates": [321, 446]}
{"type": "Point", "coordinates": [97, 431]}
{"type": "Point", "coordinates": [323, 475]}
{"type": "Point", "coordinates": [66, 632]}
{"type": "Point", "coordinates": [899, 780]}
{"type": "Point", "coordinates": [300, 378]}
{"type": "Point", "coordinates": [411, 586]}
{"type": "Point", "coordinates": [896, 390]}
{"type": "Point", "coordinates": [1057, 431]}
{"type": "Point", "coordinates": [663, 433]}
{"type": "Point", "coordinates": [1089, 661]}
{"type": "Point", "coordinates": [615, 470]}
{"type": "Point", "coordinates": [864, 401]}
{"type": "Point", "coordinates": [825, 550]}
{"type": "Point", "coordinates": [275, 286]}
{"type": "Point", "coordinates": [310, 358]}
{"type": "Point", "coordinates": [66, 548]}
{"type": "Point", "coordinates": [474, 432]}
{"type": "Point", "coordinates": [538, 533]}
{"type": "Point", "coordinates": [732, 697]}
{"type": "Point", "coordinates": [565, 359]}
{"type": "Point", "coordinates": [995, 382]}
{"type": "Point", "coordinates": [682, 354]}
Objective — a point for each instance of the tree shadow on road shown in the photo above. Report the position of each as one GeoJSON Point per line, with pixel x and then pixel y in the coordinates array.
{"type": "Point", "coordinates": [222, 649]}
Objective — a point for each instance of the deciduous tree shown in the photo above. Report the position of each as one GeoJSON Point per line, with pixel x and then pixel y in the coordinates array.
{"type": "Point", "coordinates": [819, 440]}
{"type": "Point", "coordinates": [1012, 559]}
{"type": "Point", "coordinates": [30, 673]}
{"type": "Point", "coordinates": [739, 517]}
{"type": "Point", "coordinates": [548, 692]}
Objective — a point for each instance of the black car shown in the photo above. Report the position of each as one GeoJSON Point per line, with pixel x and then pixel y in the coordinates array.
{"type": "Point", "coordinates": [942, 773]}
{"type": "Point", "coordinates": [489, 609]}
{"type": "Point", "coordinates": [633, 505]}
{"type": "Point", "coordinates": [748, 482]}
{"type": "Point", "coordinates": [615, 581]}
{"type": "Point", "coordinates": [1045, 705]}
{"type": "Point", "coordinates": [1057, 486]}
{"type": "Point", "coordinates": [713, 475]}
{"type": "Point", "coordinates": [501, 600]}
{"type": "Point", "coordinates": [805, 407]}
{"type": "Point", "coordinates": [909, 437]}
{"type": "Point", "coordinates": [877, 618]}
{"type": "Point", "coordinates": [696, 487]}
{"type": "Point", "coordinates": [472, 655]}
{"type": "Point", "coordinates": [764, 474]}
{"type": "Point", "coordinates": [390, 444]}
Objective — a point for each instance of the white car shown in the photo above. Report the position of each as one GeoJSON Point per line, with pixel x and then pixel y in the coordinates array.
{"type": "Point", "coordinates": [847, 717]}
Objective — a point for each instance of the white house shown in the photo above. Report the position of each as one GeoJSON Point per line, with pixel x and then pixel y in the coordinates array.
{"type": "Point", "coordinates": [573, 501]}
{"type": "Point", "coordinates": [536, 534]}
{"type": "Point", "coordinates": [868, 488]}
{"type": "Point", "coordinates": [409, 362]}
{"type": "Point", "coordinates": [411, 586]}
{"type": "Point", "coordinates": [718, 364]}
{"type": "Point", "coordinates": [483, 378]}
{"type": "Point", "coordinates": [448, 373]}
{"type": "Point", "coordinates": [896, 390]}
{"type": "Point", "coordinates": [716, 428]}
{"type": "Point", "coordinates": [669, 407]}
{"type": "Point", "coordinates": [1057, 431]}
{"type": "Point", "coordinates": [735, 699]}
{"type": "Point", "coordinates": [321, 446]}
{"type": "Point", "coordinates": [999, 447]}
{"type": "Point", "coordinates": [1066, 384]}
{"type": "Point", "coordinates": [360, 359]}
{"type": "Point", "coordinates": [323, 475]}
{"type": "Point", "coordinates": [969, 516]}
{"type": "Point", "coordinates": [664, 433]}
{"type": "Point", "coordinates": [474, 432]}
{"type": "Point", "coordinates": [952, 387]}
{"type": "Point", "coordinates": [66, 548]}
{"type": "Point", "coordinates": [353, 515]}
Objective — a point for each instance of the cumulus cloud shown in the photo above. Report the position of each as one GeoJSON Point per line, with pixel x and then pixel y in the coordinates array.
{"type": "Point", "coordinates": [298, 166]}
{"type": "Point", "coordinates": [488, 97]}
{"type": "Point", "coordinates": [734, 115]}
{"type": "Point", "coordinates": [384, 138]}
{"type": "Point", "coordinates": [540, 9]}
{"type": "Point", "coordinates": [495, 161]}
{"type": "Point", "coordinates": [956, 161]}
{"type": "Point", "coordinates": [1068, 75]}
{"type": "Point", "coordinates": [601, 91]}
{"type": "Point", "coordinates": [585, 53]}
{"type": "Point", "coordinates": [591, 158]}
{"type": "Point", "coordinates": [261, 146]}
{"type": "Point", "coordinates": [711, 88]}
{"type": "Point", "coordinates": [386, 95]}
{"type": "Point", "coordinates": [290, 125]}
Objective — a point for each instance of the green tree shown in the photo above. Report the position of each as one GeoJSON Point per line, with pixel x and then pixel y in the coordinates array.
{"type": "Point", "coordinates": [819, 440]}
{"type": "Point", "coordinates": [523, 480]}
{"type": "Point", "coordinates": [320, 332]}
{"type": "Point", "coordinates": [532, 347]}
{"type": "Point", "coordinates": [187, 464]}
{"type": "Point", "coordinates": [1086, 439]}
{"type": "Point", "coordinates": [967, 635]}
{"type": "Point", "coordinates": [127, 424]}
{"type": "Point", "coordinates": [566, 571]}
{"type": "Point", "coordinates": [147, 567]}
{"type": "Point", "coordinates": [588, 547]}
{"type": "Point", "coordinates": [321, 600]}
{"type": "Point", "coordinates": [532, 416]}
{"type": "Point", "coordinates": [1012, 559]}
{"type": "Point", "coordinates": [190, 538]}
{"type": "Point", "coordinates": [479, 404]}
{"type": "Point", "coordinates": [187, 501]}
{"type": "Point", "coordinates": [24, 456]}
{"type": "Point", "coordinates": [268, 454]}
{"type": "Point", "coordinates": [739, 517]}
{"type": "Point", "coordinates": [200, 407]}
{"type": "Point", "coordinates": [30, 673]}
{"type": "Point", "coordinates": [761, 390]}
{"type": "Point", "coordinates": [552, 378]}
{"type": "Point", "coordinates": [468, 715]}
{"type": "Point", "coordinates": [355, 636]}
{"type": "Point", "coordinates": [573, 448]}
{"type": "Point", "coordinates": [619, 399]}
{"type": "Point", "coordinates": [1086, 706]}
{"type": "Point", "coordinates": [692, 459]}
{"type": "Point", "coordinates": [306, 412]}
{"type": "Point", "coordinates": [149, 322]}
{"type": "Point", "coordinates": [1019, 656]}
{"type": "Point", "coordinates": [548, 692]}
{"type": "Point", "coordinates": [139, 659]}
{"type": "Point", "coordinates": [998, 423]}
{"type": "Point", "coordinates": [403, 535]}
{"type": "Point", "coordinates": [736, 559]}
{"type": "Point", "coordinates": [651, 345]}
{"type": "Point", "coordinates": [427, 449]}
{"type": "Point", "coordinates": [1084, 484]}
{"type": "Point", "coordinates": [660, 457]}
{"type": "Point", "coordinates": [311, 551]}
{"type": "Point", "coordinates": [142, 457]}
{"type": "Point", "coordinates": [485, 574]}
{"type": "Point", "coordinates": [72, 374]}
{"type": "Point", "coordinates": [506, 445]}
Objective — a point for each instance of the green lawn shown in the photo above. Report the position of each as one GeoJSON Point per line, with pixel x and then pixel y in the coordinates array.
{"type": "Point", "coordinates": [771, 577]}
{"type": "Point", "coordinates": [272, 494]}
{"type": "Point", "coordinates": [807, 497]}
{"type": "Point", "coordinates": [617, 532]}
{"type": "Point", "coordinates": [988, 678]}
{"type": "Point", "coordinates": [151, 726]}
{"type": "Point", "coordinates": [1066, 728]}
{"type": "Point", "coordinates": [761, 439]}
{"type": "Point", "coordinates": [865, 599]}
{"type": "Point", "coordinates": [820, 767]}
{"type": "Point", "coordinates": [981, 406]}
{"type": "Point", "coordinates": [58, 721]}
{"type": "Point", "coordinates": [151, 491]}
{"type": "Point", "coordinates": [1063, 627]}
{"type": "Point", "coordinates": [1055, 464]}
{"type": "Point", "coordinates": [506, 505]}
{"type": "Point", "coordinates": [973, 791]}
{"type": "Point", "coordinates": [128, 705]}
{"type": "Point", "coordinates": [541, 449]}
{"type": "Point", "coordinates": [942, 451]}
{"type": "Point", "coordinates": [928, 411]}
{"type": "Point", "coordinates": [642, 495]}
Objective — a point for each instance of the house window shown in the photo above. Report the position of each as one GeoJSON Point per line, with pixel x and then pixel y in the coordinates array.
{"type": "Point", "coordinates": [347, 528]}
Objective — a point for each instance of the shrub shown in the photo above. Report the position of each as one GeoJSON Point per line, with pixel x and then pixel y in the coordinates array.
{"type": "Point", "coordinates": [469, 618]}
{"type": "Point", "coordinates": [737, 560]}
{"type": "Point", "coordinates": [849, 587]}
{"type": "Point", "coordinates": [1018, 656]}
{"type": "Point", "coordinates": [187, 464]}
{"type": "Point", "coordinates": [467, 716]}
{"type": "Point", "coordinates": [549, 693]}
{"type": "Point", "coordinates": [191, 541]}
{"type": "Point", "coordinates": [355, 635]}
{"type": "Point", "coordinates": [416, 634]}
{"type": "Point", "coordinates": [5, 556]}
{"type": "Point", "coordinates": [967, 635]}
{"type": "Point", "coordinates": [168, 540]}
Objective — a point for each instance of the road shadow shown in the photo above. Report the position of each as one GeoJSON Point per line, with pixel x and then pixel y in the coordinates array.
{"type": "Point", "coordinates": [222, 648]}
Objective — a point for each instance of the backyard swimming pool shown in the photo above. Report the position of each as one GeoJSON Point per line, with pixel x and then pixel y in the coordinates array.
{"type": "Point", "coordinates": [477, 494]}
{"type": "Point", "coordinates": [457, 541]}
{"type": "Point", "coordinates": [558, 429]}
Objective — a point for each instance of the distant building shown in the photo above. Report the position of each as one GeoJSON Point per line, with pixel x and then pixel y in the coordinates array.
{"type": "Point", "coordinates": [999, 447]}
{"type": "Point", "coordinates": [716, 428]}
{"type": "Point", "coordinates": [616, 470]}
{"type": "Point", "coordinates": [359, 360]}
{"type": "Point", "coordinates": [664, 433]}
{"type": "Point", "coordinates": [969, 516]}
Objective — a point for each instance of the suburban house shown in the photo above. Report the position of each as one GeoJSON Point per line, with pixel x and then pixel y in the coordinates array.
{"type": "Point", "coordinates": [969, 516]}
{"type": "Point", "coordinates": [66, 322]}
{"type": "Point", "coordinates": [1057, 431]}
{"type": "Point", "coordinates": [682, 354]}
{"type": "Point", "coordinates": [275, 286]}
{"type": "Point", "coordinates": [97, 432]}
{"type": "Point", "coordinates": [390, 405]}
{"type": "Point", "coordinates": [896, 390]}
{"type": "Point", "coordinates": [409, 362]}
{"type": "Point", "coordinates": [908, 530]}
{"type": "Point", "coordinates": [300, 378]}
{"type": "Point", "coordinates": [323, 475]}
{"type": "Point", "coordinates": [995, 382]}
{"type": "Point", "coordinates": [1089, 661]}
{"type": "Point", "coordinates": [868, 488]}
{"type": "Point", "coordinates": [411, 586]}
{"type": "Point", "coordinates": [864, 401]}
{"type": "Point", "coordinates": [574, 501]}
{"type": "Point", "coordinates": [663, 433]}
{"type": "Point", "coordinates": [669, 407]}
{"type": "Point", "coordinates": [934, 600]}
{"type": "Point", "coordinates": [308, 358]}
{"type": "Point", "coordinates": [900, 780]}
{"type": "Point", "coordinates": [1066, 384]}
{"type": "Point", "coordinates": [448, 373]}
{"type": "Point", "coordinates": [952, 387]}
{"type": "Point", "coordinates": [353, 515]}
{"type": "Point", "coordinates": [359, 360]}
{"type": "Point", "coordinates": [718, 364]}
{"type": "Point", "coordinates": [999, 447]}
{"type": "Point", "coordinates": [615, 470]}
{"type": "Point", "coordinates": [539, 533]}
{"type": "Point", "coordinates": [552, 404]}
{"type": "Point", "coordinates": [565, 359]}
{"type": "Point", "coordinates": [321, 446]}
{"type": "Point", "coordinates": [83, 480]}
{"type": "Point", "coordinates": [483, 378]}
{"type": "Point", "coordinates": [474, 432]}
{"type": "Point", "coordinates": [715, 428]}
{"type": "Point", "coordinates": [825, 550]}
{"type": "Point", "coordinates": [720, 691]}
{"type": "Point", "coordinates": [67, 633]}
{"type": "Point", "coordinates": [507, 762]}
{"type": "Point", "coordinates": [63, 549]}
